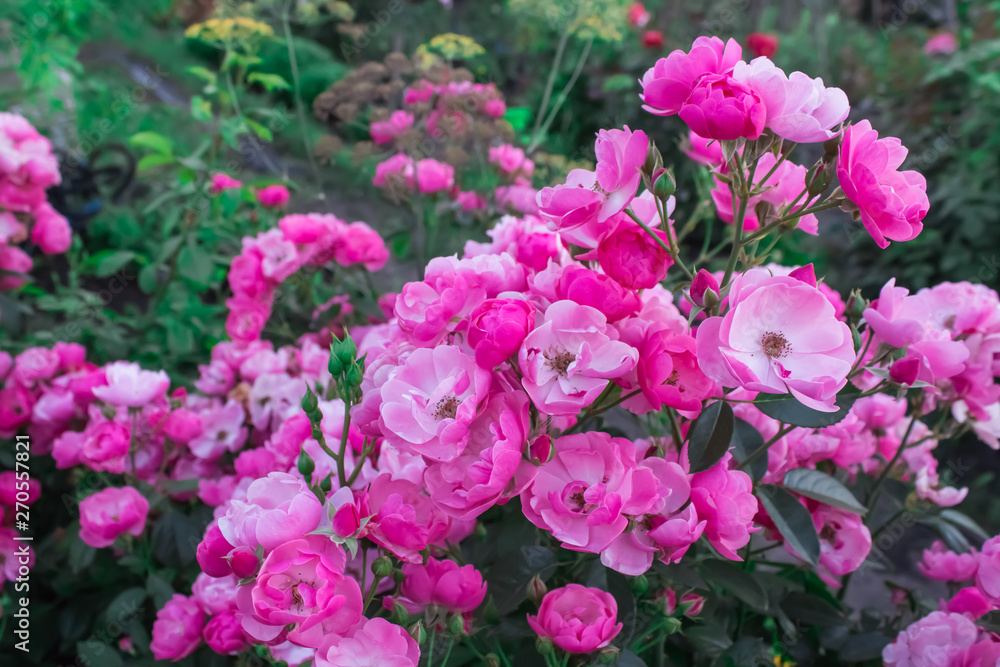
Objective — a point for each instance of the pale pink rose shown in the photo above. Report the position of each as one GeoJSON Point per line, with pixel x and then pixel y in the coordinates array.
{"type": "Point", "coordinates": [274, 397]}
{"type": "Point", "coordinates": [12, 231]}
{"type": "Point", "coordinates": [937, 640]}
{"type": "Point", "coordinates": [941, 564]}
{"type": "Point", "coordinates": [404, 520]}
{"type": "Point", "coordinates": [34, 365]}
{"type": "Point", "coordinates": [577, 619]}
{"type": "Point", "coordinates": [105, 446]}
{"type": "Point", "coordinates": [724, 499]}
{"type": "Point", "coordinates": [375, 642]}
{"type": "Point", "coordinates": [779, 335]}
{"type": "Point", "coordinates": [667, 85]}
{"type": "Point", "coordinates": [301, 593]}
{"type": "Point", "coordinates": [222, 430]}
{"type": "Point", "coordinates": [177, 629]}
{"type": "Point", "coordinates": [519, 198]}
{"type": "Point", "coordinates": [130, 386]}
{"type": "Point", "coordinates": [722, 108]}
{"type": "Point", "coordinates": [215, 595]}
{"type": "Point", "coordinates": [988, 573]}
{"type": "Point", "coordinates": [620, 156]}
{"type": "Point", "coordinates": [273, 196]}
{"type": "Point", "coordinates": [845, 541]}
{"type": "Point", "coordinates": [385, 131]}
{"type": "Point", "coordinates": [574, 207]}
{"type": "Point", "coordinates": [429, 309]}
{"type": "Point", "coordinates": [51, 231]}
{"type": "Point", "coordinates": [799, 108]}
{"type": "Point", "coordinates": [568, 360]}
{"type": "Point", "coordinates": [585, 492]}
{"type": "Point", "coordinates": [215, 378]}
{"type": "Point", "coordinates": [110, 513]}
{"type": "Point", "coordinates": [433, 176]}
{"type": "Point", "coordinates": [222, 182]}
{"type": "Point", "coordinates": [429, 402]}
{"type": "Point", "coordinates": [440, 583]}
{"type": "Point", "coordinates": [224, 633]}
{"type": "Point", "coordinates": [278, 508]}
{"type": "Point", "coordinates": [492, 467]}
{"type": "Point", "coordinates": [360, 244]}
{"type": "Point", "coordinates": [892, 203]}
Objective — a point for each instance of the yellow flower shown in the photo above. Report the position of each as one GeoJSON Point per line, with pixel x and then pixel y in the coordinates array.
{"type": "Point", "coordinates": [587, 19]}
{"type": "Point", "coordinates": [239, 29]}
{"type": "Point", "coordinates": [452, 46]}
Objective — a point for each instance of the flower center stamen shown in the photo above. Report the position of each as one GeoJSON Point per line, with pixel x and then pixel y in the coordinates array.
{"type": "Point", "coordinates": [446, 408]}
{"type": "Point", "coordinates": [559, 361]}
{"type": "Point", "coordinates": [775, 344]}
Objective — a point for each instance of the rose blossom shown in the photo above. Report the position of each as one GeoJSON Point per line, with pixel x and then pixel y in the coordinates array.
{"type": "Point", "coordinates": [301, 593]}
{"type": "Point", "coordinates": [892, 203]}
{"type": "Point", "coordinates": [722, 108]}
{"type": "Point", "coordinates": [177, 630]}
{"type": "Point", "coordinates": [577, 619]}
{"type": "Point", "coordinates": [385, 131]}
{"type": "Point", "coordinates": [429, 402]}
{"type": "Point", "coordinates": [988, 574]}
{"type": "Point", "coordinates": [779, 335]}
{"type": "Point", "coordinates": [129, 385]}
{"type": "Point", "coordinates": [433, 176]}
{"type": "Point", "coordinates": [631, 257]}
{"type": "Point", "coordinates": [110, 513]}
{"type": "Point", "coordinates": [273, 196]}
{"type": "Point", "coordinates": [568, 360]}
{"type": "Point", "coordinates": [497, 328]}
{"type": "Point", "coordinates": [940, 564]}
{"type": "Point", "coordinates": [667, 84]}
{"type": "Point", "coordinates": [936, 640]}
{"type": "Point", "coordinates": [404, 520]}
{"type": "Point", "coordinates": [724, 499]}
{"type": "Point", "coordinates": [442, 583]}
{"type": "Point", "coordinates": [377, 642]}
{"type": "Point", "coordinates": [224, 633]}
{"type": "Point", "coordinates": [278, 508]}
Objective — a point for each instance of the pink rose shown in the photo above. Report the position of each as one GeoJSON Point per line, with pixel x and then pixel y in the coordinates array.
{"type": "Point", "coordinates": [577, 619]}
{"type": "Point", "coordinates": [779, 335]}
{"type": "Point", "coordinates": [724, 499]}
{"type": "Point", "coordinates": [443, 583]}
{"type": "Point", "coordinates": [937, 640]}
{"type": "Point", "coordinates": [511, 160]}
{"type": "Point", "coordinates": [301, 594]}
{"type": "Point", "coordinates": [224, 633]}
{"type": "Point", "coordinates": [630, 256]}
{"type": "Point", "coordinates": [385, 131]}
{"type": "Point", "coordinates": [969, 602]}
{"type": "Point", "coordinates": [586, 492]}
{"type": "Point", "coordinates": [667, 373]}
{"type": "Point", "coordinates": [941, 43]}
{"type": "Point", "coordinates": [430, 401]}
{"type": "Point", "coordinates": [845, 541]}
{"type": "Point", "coordinates": [988, 574]}
{"type": "Point", "coordinates": [273, 196]}
{"type": "Point", "coordinates": [110, 513]}
{"type": "Point", "coordinates": [940, 564]}
{"type": "Point", "coordinates": [893, 203]}
{"type": "Point", "coordinates": [497, 328]}
{"type": "Point", "coordinates": [215, 595]}
{"type": "Point", "coordinates": [106, 445]}
{"type": "Point", "coordinates": [222, 182]}
{"type": "Point", "coordinates": [667, 85]}
{"type": "Point", "coordinates": [433, 176]}
{"type": "Point", "coordinates": [376, 642]}
{"type": "Point", "coordinates": [568, 360]}
{"type": "Point", "coordinates": [722, 108]}
{"type": "Point", "coordinates": [13, 491]}
{"type": "Point", "coordinates": [129, 385]}
{"type": "Point", "coordinates": [360, 244]}
{"type": "Point", "coordinates": [177, 629]}
{"type": "Point", "coordinates": [394, 173]}
{"type": "Point", "coordinates": [278, 508]}
{"type": "Point", "coordinates": [15, 261]}
{"type": "Point", "coordinates": [51, 232]}
{"type": "Point", "coordinates": [212, 551]}
{"type": "Point", "coordinates": [404, 520]}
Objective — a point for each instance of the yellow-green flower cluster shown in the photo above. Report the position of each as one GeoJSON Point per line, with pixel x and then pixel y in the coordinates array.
{"type": "Point", "coordinates": [448, 46]}
{"type": "Point", "coordinates": [603, 20]}
{"type": "Point", "coordinates": [236, 30]}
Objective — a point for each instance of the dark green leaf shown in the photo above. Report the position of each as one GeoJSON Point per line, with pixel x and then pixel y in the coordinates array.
{"type": "Point", "coordinates": [812, 610]}
{"type": "Point", "coordinates": [864, 647]}
{"type": "Point", "coordinates": [629, 659]}
{"type": "Point", "coordinates": [964, 522]}
{"type": "Point", "coordinates": [790, 411]}
{"type": "Point", "coordinates": [106, 262]}
{"type": "Point", "coordinates": [153, 140]}
{"type": "Point", "coordinates": [710, 436]}
{"type": "Point", "coordinates": [126, 606]}
{"type": "Point", "coordinates": [792, 520]}
{"type": "Point", "coordinates": [508, 578]}
{"type": "Point", "coordinates": [94, 653]}
{"type": "Point", "coordinates": [737, 581]}
{"type": "Point", "coordinates": [159, 589]}
{"type": "Point", "coordinates": [175, 538]}
{"type": "Point", "coordinates": [747, 652]}
{"type": "Point", "coordinates": [820, 486]}
{"type": "Point", "coordinates": [195, 264]}
{"type": "Point", "coordinates": [746, 441]}
{"type": "Point", "coordinates": [952, 536]}
{"type": "Point", "coordinates": [709, 640]}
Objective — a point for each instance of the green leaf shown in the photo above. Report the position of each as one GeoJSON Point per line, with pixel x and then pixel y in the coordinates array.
{"type": "Point", "coordinates": [508, 578]}
{"type": "Point", "coordinates": [820, 486]}
{"type": "Point", "coordinates": [95, 653]}
{"type": "Point", "coordinates": [107, 262]}
{"type": "Point", "coordinates": [259, 130]}
{"type": "Point", "coordinates": [153, 140]}
{"type": "Point", "coordinates": [790, 411]}
{"type": "Point", "coordinates": [746, 441]}
{"type": "Point", "coordinates": [709, 640]}
{"type": "Point", "coordinates": [737, 581]}
{"type": "Point", "coordinates": [271, 82]}
{"type": "Point", "coordinates": [952, 536]}
{"type": "Point", "coordinates": [812, 610]}
{"type": "Point", "coordinates": [175, 538]}
{"type": "Point", "coordinates": [617, 82]}
{"type": "Point", "coordinates": [518, 117]}
{"type": "Point", "coordinates": [629, 659]}
{"type": "Point", "coordinates": [710, 436]}
{"type": "Point", "coordinates": [148, 278]}
{"type": "Point", "coordinates": [965, 522]}
{"type": "Point", "coordinates": [231, 129]}
{"type": "Point", "coordinates": [153, 160]}
{"type": "Point", "coordinates": [792, 520]}
{"type": "Point", "coordinates": [201, 109]}
{"type": "Point", "coordinates": [159, 589]}
{"type": "Point", "coordinates": [204, 73]}
{"type": "Point", "coordinates": [867, 646]}
{"type": "Point", "coordinates": [195, 264]}
{"type": "Point", "coordinates": [126, 606]}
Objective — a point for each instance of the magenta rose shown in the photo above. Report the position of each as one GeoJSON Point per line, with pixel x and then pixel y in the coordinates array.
{"type": "Point", "coordinates": [301, 594]}
{"type": "Point", "coordinates": [722, 108]}
{"type": "Point", "coordinates": [892, 203]}
{"type": "Point", "coordinates": [497, 327]}
{"type": "Point", "coordinates": [224, 633]}
{"type": "Point", "coordinates": [442, 583]}
{"type": "Point", "coordinates": [668, 83]}
{"type": "Point", "coordinates": [177, 629]}
{"type": "Point", "coordinates": [110, 513]}
{"type": "Point", "coordinates": [577, 619]}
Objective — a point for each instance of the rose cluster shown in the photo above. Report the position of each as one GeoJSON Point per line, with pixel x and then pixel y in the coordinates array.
{"type": "Point", "coordinates": [27, 169]}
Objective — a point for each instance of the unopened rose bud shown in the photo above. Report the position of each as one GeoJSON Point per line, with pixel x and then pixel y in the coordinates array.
{"type": "Point", "coordinates": [904, 371]}
{"type": "Point", "coordinates": [244, 562]}
{"type": "Point", "coordinates": [399, 614]}
{"type": "Point", "coordinates": [335, 366]}
{"type": "Point", "coordinates": [306, 466]}
{"type": "Point", "coordinates": [418, 632]}
{"type": "Point", "coordinates": [608, 655]}
{"type": "Point", "coordinates": [536, 590]}
{"type": "Point", "coordinates": [640, 584]}
{"type": "Point", "coordinates": [355, 374]}
{"type": "Point", "coordinates": [704, 290]}
{"type": "Point", "coordinates": [345, 350]}
{"type": "Point", "coordinates": [671, 625]}
{"type": "Point", "coordinates": [491, 660]}
{"type": "Point", "coordinates": [653, 159]}
{"type": "Point", "coordinates": [665, 185]}
{"type": "Point", "coordinates": [540, 449]}
{"type": "Point", "coordinates": [856, 305]}
{"type": "Point", "coordinates": [544, 646]}
{"type": "Point", "coordinates": [382, 567]}
{"type": "Point", "coordinates": [398, 576]}
{"type": "Point", "coordinates": [309, 402]}
{"type": "Point", "coordinates": [456, 625]}
{"type": "Point", "coordinates": [691, 605]}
